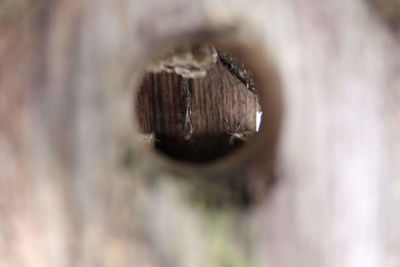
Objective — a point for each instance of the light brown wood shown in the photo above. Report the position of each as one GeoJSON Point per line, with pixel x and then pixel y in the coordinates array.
{"type": "Point", "coordinates": [76, 190]}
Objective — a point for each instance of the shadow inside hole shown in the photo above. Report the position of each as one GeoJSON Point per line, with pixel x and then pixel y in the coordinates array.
{"type": "Point", "coordinates": [202, 149]}
{"type": "Point", "coordinates": [197, 104]}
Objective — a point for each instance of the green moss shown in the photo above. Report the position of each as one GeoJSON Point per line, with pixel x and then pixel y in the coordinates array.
{"type": "Point", "coordinates": [225, 248]}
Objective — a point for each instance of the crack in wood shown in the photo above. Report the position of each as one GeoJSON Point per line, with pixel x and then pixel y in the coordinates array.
{"type": "Point", "coordinates": [187, 108]}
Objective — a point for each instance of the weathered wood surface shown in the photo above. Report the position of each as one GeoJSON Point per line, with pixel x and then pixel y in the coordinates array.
{"type": "Point", "coordinates": [197, 126]}
{"type": "Point", "coordinates": [68, 199]}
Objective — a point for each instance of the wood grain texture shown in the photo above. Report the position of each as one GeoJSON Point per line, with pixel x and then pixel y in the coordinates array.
{"type": "Point", "coordinates": [220, 105]}
{"type": "Point", "coordinates": [67, 198]}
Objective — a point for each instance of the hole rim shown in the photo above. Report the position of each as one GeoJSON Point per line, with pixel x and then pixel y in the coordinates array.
{"type": "Point", "coordinates": [250, 50]}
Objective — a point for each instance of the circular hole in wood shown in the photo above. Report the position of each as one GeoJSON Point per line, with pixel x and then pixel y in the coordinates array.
{"type": "Point", "coordinates": [198, 103]}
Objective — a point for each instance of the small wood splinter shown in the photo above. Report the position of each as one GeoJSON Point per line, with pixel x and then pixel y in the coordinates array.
{"type": "Point", "coordinates": [240, 136]}
{"type": "Point", "coordinates": [187, 102]}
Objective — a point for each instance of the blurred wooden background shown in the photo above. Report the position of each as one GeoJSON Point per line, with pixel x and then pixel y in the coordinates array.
{"type": "Point", "coordinates": [69, 197]}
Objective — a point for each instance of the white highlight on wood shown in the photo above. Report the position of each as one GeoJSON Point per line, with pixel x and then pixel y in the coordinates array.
{"type": "Point", "coordinates": [258, 120]}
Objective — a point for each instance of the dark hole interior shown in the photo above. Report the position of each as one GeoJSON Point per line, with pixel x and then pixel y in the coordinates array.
{"type": "Point", "coordinates": [197, 104]}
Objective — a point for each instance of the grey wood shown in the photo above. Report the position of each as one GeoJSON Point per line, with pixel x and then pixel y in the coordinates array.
{"type": "Point", "coordinates": [69, 197]}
